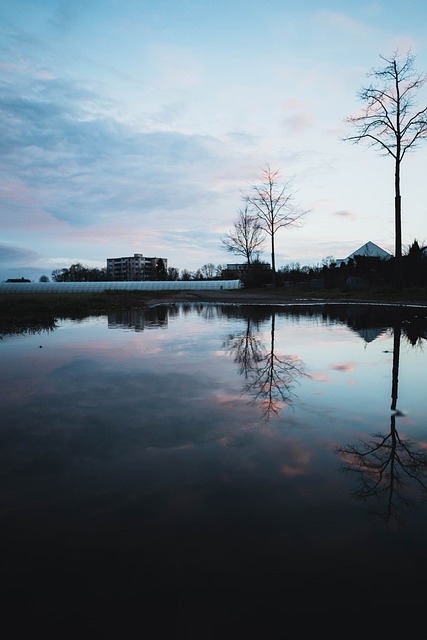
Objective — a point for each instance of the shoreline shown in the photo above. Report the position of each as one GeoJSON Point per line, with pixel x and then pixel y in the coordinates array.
{"type": "Point", "coordinates": [21, 312]}
{"type": "Point", "coordinates": [250, 297]}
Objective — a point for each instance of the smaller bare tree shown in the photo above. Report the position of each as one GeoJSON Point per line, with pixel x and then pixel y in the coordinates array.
{"type": "Point", "coordinates": [208, 271]}
{"type": "Point", "coordinates": [173, 273]}
{"type": "Point", "coordinates": [246, 238]}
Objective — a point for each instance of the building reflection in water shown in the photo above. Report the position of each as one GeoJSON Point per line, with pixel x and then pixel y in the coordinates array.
{"type": "Point", "coordinates": [139, 319]}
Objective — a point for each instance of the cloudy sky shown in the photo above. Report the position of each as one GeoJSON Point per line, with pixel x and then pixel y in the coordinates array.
{"type": "Point", "coordinates": [133, 126]}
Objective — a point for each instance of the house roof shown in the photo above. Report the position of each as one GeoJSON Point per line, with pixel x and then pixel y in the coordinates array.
{"type": "Point", "coordinates": [369, 334]}
{"type": "Point", "coordinates": [368, 249]}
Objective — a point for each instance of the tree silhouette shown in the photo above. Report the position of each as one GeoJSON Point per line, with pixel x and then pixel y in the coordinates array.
{"type": "Point", "coordinates": [246, 348]}
{"type": "Point", "coordinates": [272, 203]}
{"type": "Point", "coordinates": [269, 378]}
{"type": "Point", "coordinates": [387, 464]}
{"type": "Point", "coordinates": [161, 271]}
{"type": "Point", "coordinates": [246, 238]}
{"type": "Point", "coordinates": [392, 123]}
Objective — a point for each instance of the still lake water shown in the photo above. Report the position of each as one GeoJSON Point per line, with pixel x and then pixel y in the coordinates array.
{"type": "Point", "coordinates": [264, 454]}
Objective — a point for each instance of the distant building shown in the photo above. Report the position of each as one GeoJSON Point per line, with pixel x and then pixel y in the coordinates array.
{"type": "Point", "coordinates": [136, 267]}
{"type": "Point", "coordinates": [17, 280]}
{"type": "Point", "coordinates": [238, 270]}
{"type": "Point", "coordinates": [370, 249]}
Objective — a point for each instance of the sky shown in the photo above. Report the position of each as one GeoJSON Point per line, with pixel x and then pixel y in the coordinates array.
{"type": "Point", "coordinates": [135, 126]}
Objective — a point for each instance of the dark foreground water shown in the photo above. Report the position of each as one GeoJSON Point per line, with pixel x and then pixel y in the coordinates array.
{"type": "Point", "coordinates": [195, 467]}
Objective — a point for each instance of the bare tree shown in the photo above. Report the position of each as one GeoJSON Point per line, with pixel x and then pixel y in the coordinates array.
{"type": "Point", "coordinates": [392, 122]}
{"type": "Point", "coordinates": [246, 238]}
{"type": "Point", "coordinates": [272, 202]}
{"type": "Point", "coordinates": [388, 463]}
{"type": "Point", "coordinates": [208, 271]}
{"type": "Point", "coordinates": [218, 270]}
{"type": "Point", "coordinates": [186, 275]}
{"type": "Point", "coordinates": [173, 273]}
{"type": "Point", "coordinates": [161, 271]}
{"type": "Point", "coordinates": [269, 378]}
{"type": "Point", "coordinates": [272, 380]}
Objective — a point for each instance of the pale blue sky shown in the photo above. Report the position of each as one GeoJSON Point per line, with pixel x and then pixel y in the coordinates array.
{"type": "Point", "coordinates": [131, 126]}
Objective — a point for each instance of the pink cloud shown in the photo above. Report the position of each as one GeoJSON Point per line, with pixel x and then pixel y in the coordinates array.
{"type": "Point", "coordinates": [45, 75]}
{"type": "Point", "coordinates": [301, 458]}
{"type": "Point", "coordinates": [344, 367]}
{"type": "Point", "coordinates": [321, 377]}
{"type": "Point", "coordinates": [15, 192]}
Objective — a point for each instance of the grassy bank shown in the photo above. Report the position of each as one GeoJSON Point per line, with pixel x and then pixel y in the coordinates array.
{"type": "Point", "coordinates": [39, 311]}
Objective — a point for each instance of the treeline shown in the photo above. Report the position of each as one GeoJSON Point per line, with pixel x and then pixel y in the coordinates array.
{"type": "Point", "coordinates": [360, 272]}
{"type": "Point", "coordinates": [81, 273]}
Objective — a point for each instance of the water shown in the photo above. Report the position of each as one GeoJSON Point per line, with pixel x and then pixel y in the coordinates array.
{"type": "Point", "coordinates": [265, 459]}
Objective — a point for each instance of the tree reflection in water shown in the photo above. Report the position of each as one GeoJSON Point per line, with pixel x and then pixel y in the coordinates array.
{"type": "Point", "coordinates": [387, 464]}
{"type": "Point", "coordinates": [269, 377]}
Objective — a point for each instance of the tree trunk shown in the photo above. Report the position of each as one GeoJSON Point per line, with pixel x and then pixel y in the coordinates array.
{"type": "Point", "coordinates": [273, 261]}
{"type": "Point", "coordinates": [397, 227]}
{"type": "Point", "coordinates": [397, 329]}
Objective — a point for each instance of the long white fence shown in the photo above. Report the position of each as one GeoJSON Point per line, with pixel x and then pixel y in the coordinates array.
{"type": "Point", "coordinates": [96, 287]}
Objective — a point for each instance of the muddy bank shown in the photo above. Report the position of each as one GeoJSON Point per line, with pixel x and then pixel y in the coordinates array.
{"type": "Point", "coordinates": [248, 296]}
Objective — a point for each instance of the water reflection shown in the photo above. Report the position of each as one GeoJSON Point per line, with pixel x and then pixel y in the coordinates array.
{"type": "Point", "coordinates": [387, 464]}
{"type": "Point", "coordinates": [370, 321]}
{"type": "Point", "coordinates": [139, 319]}
{"type": "Point", "coordinates": [158, 316]}
{"type": "Point", "coordinates": [269, 378]}
{"type": "Point", "coordinates": [159, 466]}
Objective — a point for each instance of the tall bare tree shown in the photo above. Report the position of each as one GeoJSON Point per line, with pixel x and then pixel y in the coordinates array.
{"type": "Point", "coordinates": [272, 202]}
{"type": "Point", "coordinates": [392, 122]}
{"type": "Point", "coordinates": [246, 238]}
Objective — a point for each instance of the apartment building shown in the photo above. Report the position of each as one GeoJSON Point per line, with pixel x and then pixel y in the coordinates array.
{"type": "Point", "coordinates": [136, 267]}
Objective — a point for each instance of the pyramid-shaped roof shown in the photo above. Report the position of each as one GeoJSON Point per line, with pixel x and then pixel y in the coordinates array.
{"type": "Point", "coordinates": [372, 250]}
